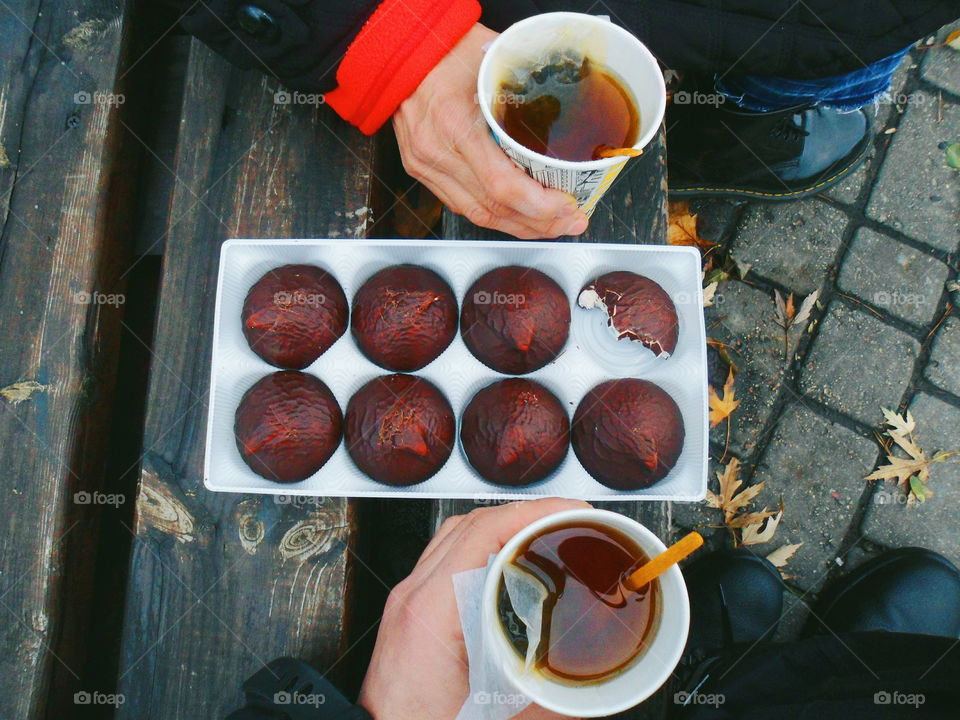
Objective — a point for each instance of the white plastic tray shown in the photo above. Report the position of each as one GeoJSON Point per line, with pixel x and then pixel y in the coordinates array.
{"type": "Point", "coordinates": [592, 355]}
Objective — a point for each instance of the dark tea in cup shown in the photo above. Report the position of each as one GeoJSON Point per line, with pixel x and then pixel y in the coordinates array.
{"type": "Point", "coordinates": [592, 626]}
{"type": "Point", "coordinates": [569, 109]}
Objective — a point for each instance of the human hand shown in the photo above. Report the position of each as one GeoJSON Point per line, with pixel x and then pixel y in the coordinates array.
{"type": "Point", "coordinates": [419, 664]}
{"type": "Point", "coordinates": [445, 144]}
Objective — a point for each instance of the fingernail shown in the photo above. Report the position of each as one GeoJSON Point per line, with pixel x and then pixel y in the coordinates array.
{"type": "Point", "coordinates": [567, 210]}
{"type": "Point", "coordinates": [576, 227]}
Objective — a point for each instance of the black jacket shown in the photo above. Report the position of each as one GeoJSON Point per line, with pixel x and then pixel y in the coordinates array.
{"type": "Point", "coordinates": [301, 41]}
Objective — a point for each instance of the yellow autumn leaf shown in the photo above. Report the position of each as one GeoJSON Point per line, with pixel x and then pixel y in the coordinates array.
{"type": "Point", "coordinates": [720, 408]}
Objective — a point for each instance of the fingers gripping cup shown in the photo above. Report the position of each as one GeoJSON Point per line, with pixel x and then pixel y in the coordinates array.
{"type": "Point", "coordinates": [567, 638]}
{"type": "Point", "coordinates": [561, 90]}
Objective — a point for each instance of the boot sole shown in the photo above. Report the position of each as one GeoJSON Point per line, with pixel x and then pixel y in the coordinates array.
{"type": "Point", "coordinates": [743, 192]}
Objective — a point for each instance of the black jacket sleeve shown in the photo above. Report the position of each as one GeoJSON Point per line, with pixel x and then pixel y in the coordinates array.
{"type": "Point", "coordinates": [299, 42]}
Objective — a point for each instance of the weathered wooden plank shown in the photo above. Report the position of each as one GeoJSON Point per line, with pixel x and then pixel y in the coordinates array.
{"type": "Point", "coordinates": [633, 211]}
{"type": "Point", "coordinates": [60, 154]}
{"type": "Point", "coordinates": [221, 584]}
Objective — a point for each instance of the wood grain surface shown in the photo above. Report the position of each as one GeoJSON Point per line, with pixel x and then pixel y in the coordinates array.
{"type": "Point", "coordinates": [220, 584]}
{"type": "Point", "coordinates": [60, 316]}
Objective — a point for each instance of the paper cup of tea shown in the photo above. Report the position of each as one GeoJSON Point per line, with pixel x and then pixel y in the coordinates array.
{"type": "Point", "coordinates": [630, 685]}
{"type": "Point", "coordinates": [530, 43]}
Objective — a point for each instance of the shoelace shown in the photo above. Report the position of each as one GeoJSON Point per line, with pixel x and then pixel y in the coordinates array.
{"type": "Point", "coordinates": [789, 128]}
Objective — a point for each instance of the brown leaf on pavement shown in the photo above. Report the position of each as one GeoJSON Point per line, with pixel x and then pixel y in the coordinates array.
{"type": "Point", "coordinates": [682, 227]}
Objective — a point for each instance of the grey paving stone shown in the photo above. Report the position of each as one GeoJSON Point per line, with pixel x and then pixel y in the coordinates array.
{"type": "Point", "coordinates": [792, 243]}
{"type": "Point", "coordinates": [932, 524]}
{"type": "Point", "coordinates": [743, 319]}
{"type": "Point", "coordinates": [893, 276]}
{"type": "Point", "coordinates": [941, 66]}
{"type": "Point", "coordinates": [817, 468]}
{"type": "Point", "coordinates": [848, 191]}
{"type": "Point", "coordinates": [944, 367]}
{"type": "Point", "coordinates": [858, 364]}
{"type": "Point", "coordinates": [916, 191]}
{"type": "Point", "coordinates": [714, 216]}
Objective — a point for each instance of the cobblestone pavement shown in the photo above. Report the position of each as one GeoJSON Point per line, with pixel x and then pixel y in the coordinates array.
{"type": "Point", "coordinates": [882, 248]}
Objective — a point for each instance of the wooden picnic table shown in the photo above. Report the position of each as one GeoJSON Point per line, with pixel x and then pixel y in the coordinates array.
{"type": "Point", "coordinates": [217, 584]}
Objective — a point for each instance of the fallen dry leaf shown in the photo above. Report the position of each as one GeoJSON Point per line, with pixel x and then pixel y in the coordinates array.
{"type": "Point", "coordinates": [729, 500]}
{"type": "Point", "coordinates": [755, 526]}
{"type": "Point", "coordinates": [720, 408]}
{"type": "Point", "coordinates": [912, 472]}
{"type": "Point", "coordinates": [787, 316]}
{"type": "Point", "coordinates": [682, 227]}
{"type": "Point", "coordinates": [18, 392]}
{"type": "Point", "coordinates": [762, 531]}
{"type": "Point", "coordinates": [782, 554]}
{"type": "Point", "coordinates": [708, 292]}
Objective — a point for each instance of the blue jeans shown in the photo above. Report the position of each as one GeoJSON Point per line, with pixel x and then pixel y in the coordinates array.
{"type": "Point", "coordinates": [763, 93]}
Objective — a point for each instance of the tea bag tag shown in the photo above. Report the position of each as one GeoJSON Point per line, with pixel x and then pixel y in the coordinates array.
{"type": "Point", "coordinates": [527, 595]}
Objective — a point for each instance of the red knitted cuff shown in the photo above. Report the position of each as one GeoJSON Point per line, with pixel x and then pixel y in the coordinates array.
{"type": "Point", "coordinates": [401, 42]}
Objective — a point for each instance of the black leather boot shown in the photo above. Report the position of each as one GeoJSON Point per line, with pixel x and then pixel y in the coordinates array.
{"type": "Point", "coordinates": [907, 590]}
{"type": "Point", "coordinates": [723, 150]}
{"type": "Point", "coordinates": [735, 597]}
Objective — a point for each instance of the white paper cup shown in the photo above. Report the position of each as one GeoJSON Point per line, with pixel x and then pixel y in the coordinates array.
{"type": "Point", "coordinates": [524, 43]}
{"type": "Point", "coordinates": [634, 684]}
